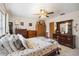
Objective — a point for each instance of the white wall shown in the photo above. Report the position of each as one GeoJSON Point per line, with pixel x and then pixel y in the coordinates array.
{"type": "Point", "coordinates": [75, 17]}
{"type": "Point", "coordinates": [17, 20]}
{"type": "Point", "coordinates": [48, 25]}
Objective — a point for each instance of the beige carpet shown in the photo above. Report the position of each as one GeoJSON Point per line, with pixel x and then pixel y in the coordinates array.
{"type": "Point", "coordinates": [65, 51]}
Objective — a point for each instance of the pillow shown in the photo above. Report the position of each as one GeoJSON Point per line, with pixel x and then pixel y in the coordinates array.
{"type": "Point", "coordinates": [5, 43]}
{"type": "Point", "coordinates": [8, 34]}
{"type": "Point", "coordinates": [15, 43]}
{"type": "Point", "coordinates": [1, 46]}
{"type": "Point", "coordinates": [18, 44]}
{"type": "Point", "coordinates": [23, 40]}
{"type": "Point", "coordinates": [11, 40]}
{"type": "Point", "coordinates": [3, 51]}
{"type": "Point", "coordinates": [15, 36]}
{"type": "Point", "coordinates": [30, 44]}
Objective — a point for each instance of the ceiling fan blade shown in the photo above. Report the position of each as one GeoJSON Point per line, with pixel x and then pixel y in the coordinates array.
{"type": "Point", "coordinates": [50, 12]}
{"type": "Point", "coordinates": [47, 16]}
{"type": "Point", "coordinates": [39, 17]}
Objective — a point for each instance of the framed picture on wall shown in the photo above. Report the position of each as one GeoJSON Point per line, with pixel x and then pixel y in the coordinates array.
{"type": "Point", "coordinates": [22, 23]}
{"type": "Point", "coordinates": [30, 24]}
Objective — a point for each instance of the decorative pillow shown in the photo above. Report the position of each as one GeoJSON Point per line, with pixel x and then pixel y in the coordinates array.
{"type": "Point", "coordinates": [23, 40]}
{"type": "Point", "coordinates": [11, 43]}
{"type": "Point", "coordinates": [18, 44]}
{"type": "Point", "coordinates": [30, 44]}
{"type": "Point", "coordinates": [5, 43]}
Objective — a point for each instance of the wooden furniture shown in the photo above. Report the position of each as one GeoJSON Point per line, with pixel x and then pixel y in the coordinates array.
{"type": "Point", "coordinates": [53, 52]}
{"type": "Point", "coordinates": [41, 28]}
{"type": "Point", "coordinates": [51, 29]}
{"type": "Point", "coordinates": [64, 27]}
{"type": "Point", "coordinates": [64, 33]}
{"type": "Point", "coordinates": [26, 33]}
{"type": "Point", "coordinates": [22, 32]}
{"type": "Point", "coordinates": [64, 39]}
{"type": "Point", "coordinates": [31, 33]}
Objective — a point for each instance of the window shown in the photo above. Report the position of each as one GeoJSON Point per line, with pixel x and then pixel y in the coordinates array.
{"type": "Point", "coordinates": [2, 23]}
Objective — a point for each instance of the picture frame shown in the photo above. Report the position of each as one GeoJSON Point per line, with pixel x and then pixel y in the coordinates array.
{"type": "Point", "coordinates": [30, 24]}
{"type": "Point", "coordinates": [22, 23]}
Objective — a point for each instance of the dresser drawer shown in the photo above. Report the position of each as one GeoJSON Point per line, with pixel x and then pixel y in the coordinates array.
{"type": "Point", "coordinates": [31, 33]}
{"type": "Point", "coordinates": [67, 40]}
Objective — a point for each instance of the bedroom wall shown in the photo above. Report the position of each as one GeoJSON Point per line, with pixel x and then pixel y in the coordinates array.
{"type": "Point", "coordinates": [48, 21]}
{"type": "Point", "coordinates": [75, 17]}
{"type": "Point", "coordinates": [18, 20]}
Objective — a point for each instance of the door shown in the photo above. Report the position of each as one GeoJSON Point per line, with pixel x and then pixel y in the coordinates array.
{"type": "Point", "coordinates": [11, 27]}
{"type": "Point", "coordinates": [41, 28]}
{"type": "Point", "coordinates": [51, 26]}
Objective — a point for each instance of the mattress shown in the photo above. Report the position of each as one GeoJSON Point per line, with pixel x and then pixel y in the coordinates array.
{"type": "Point", "coordinates": [44, 46]}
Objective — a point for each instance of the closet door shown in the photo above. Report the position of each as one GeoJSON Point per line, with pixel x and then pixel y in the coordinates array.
{"type": "Point", "coordinates": [41, 28]}
{"type": "Point", "coordinates": [51, 29]}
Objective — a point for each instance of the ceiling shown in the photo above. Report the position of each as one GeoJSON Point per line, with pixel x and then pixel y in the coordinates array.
{"type": "Point", "coordinates": [26, 10]}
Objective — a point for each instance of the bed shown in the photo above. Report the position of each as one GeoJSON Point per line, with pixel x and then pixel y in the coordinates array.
{"type": "Point", "coordinates": [41, 46]}
{"type": "Point", "coordinates": [44, 47]}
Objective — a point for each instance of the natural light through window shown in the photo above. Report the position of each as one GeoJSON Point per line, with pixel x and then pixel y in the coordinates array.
{"type": "Point", "coordinates": [2, 23]}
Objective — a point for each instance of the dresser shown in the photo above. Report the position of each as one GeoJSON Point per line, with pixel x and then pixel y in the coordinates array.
{"type": "Point", "coordinates": [65, 39]}
{"type": "Point", "coordinates": [63, 33]}
{"type": "Point", "coordinates": [26, 33]}
{"type": "Point", "coordinates": [22, 32]}
{"type": "Point", "coordinates": [31, 33]}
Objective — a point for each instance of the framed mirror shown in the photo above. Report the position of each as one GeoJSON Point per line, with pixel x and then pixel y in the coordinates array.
{"type": "Point", "coordinates": [64, 27]}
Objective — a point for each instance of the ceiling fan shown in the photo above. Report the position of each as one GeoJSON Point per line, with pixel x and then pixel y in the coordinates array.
{"type": "Point", "coordinates": [43, 13]}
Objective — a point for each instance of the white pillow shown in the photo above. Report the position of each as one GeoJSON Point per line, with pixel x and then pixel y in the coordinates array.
{"type": "Point", "coordinates": [3, 51]}
{"type": "Point", "coordinates": [11, 42]}
{"type": "Point", "coordinates": [5, 43]}
{"type": "Point", "coordinates": [1, 44]}
{"type": "Point", "coordinates": [23, 40]}
{"type": "Point", "coordinates": [8, 34]}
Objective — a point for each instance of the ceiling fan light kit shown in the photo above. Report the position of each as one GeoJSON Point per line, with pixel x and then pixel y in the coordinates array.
{"type": "Point", "coordinates": [43, 13]}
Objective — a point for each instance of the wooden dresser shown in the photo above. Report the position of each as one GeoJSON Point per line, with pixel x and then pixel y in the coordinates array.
{"type": "Point", "coordinates": [26, 33]}
{"type": "Point", "coordinates": [64, 39]}
{"type": "Point", "coordinates": [31, 33]}
{"type": "Point", "coordinates": [22, 32]}
{"type": "Point", "coordinates": [64, 33]}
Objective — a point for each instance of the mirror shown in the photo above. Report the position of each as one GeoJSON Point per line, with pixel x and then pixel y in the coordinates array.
{"type": "Point", "coordinates": [64, 27]}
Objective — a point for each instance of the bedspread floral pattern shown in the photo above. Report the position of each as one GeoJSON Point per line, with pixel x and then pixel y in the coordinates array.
{"type": "Point", "coordinates": [39, 52]}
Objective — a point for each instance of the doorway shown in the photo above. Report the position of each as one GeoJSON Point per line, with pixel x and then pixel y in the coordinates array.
{"type": "Point", "coordinates": [11, 27]}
